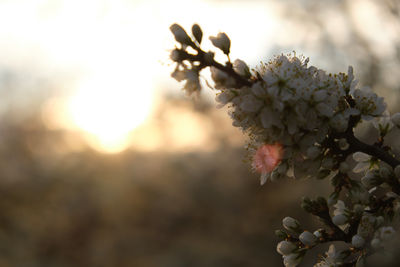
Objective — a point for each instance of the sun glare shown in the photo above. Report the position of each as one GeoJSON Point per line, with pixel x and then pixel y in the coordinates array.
{"type": "Point", "coordinates": [108, 108]}
{"type": "Point", "coordinates": [114, 50]}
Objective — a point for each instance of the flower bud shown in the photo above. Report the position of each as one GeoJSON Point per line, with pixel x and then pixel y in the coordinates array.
{"type": "Point", "coordinates": [308, 238]}
{"type": "Point", "coordinates": [339, 219]}
{"type": "Point", "coordinates": [318, 233]}
{"type": "Point", "coordinates": [241, 68]}
{"type": "Point", "coordinates": [285, 247]}
{"type": "Point", "coordinates": [175, 55]}
{"type": "Point", "coordinates": [290, 224]}
{"type": "Point", "coordinates": [197, 32]}
{"type": "Point", "coordinates": [180, 34]}
{"type": "Point", "coordinates": [222, 42]}
{"type": "Point", "coordinates": [357, 241]}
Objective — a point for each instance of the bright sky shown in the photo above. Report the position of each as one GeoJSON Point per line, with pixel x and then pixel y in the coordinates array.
{"type": "Point", "coordinates": [117, 52]}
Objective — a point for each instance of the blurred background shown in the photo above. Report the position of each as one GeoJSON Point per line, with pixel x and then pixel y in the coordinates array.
{"type": "Point", "coordinates": [105, 162]}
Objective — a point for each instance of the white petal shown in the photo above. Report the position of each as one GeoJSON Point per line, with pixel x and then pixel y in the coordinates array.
{"type": "Point", "coordinates": [360, 156]}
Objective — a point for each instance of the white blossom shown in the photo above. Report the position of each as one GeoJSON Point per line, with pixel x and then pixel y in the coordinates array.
{"type": "Point", "coordinates": [369, 104]}
{"type": "Point", "coordinates": [363, 161]}
{"type": "Point", "coordinates": [249, 103]}
{"type": "Point", "coordinates": [332, 258]}
{"type": "Point", "coordinates": [386, 232]}
{"type": "Point", "coordinates": [296, 110]}
{"type": "Point", "coordinates": [224, 97]}
{"type": "Point", "coordinates": [383, 123]}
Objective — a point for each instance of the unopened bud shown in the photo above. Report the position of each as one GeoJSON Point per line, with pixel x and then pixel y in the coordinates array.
{"type": "Point", "coordinates": [285, 247]}
{"type": "Point", "coordinates": [197, 32]}
{"type": "Point", "coordinates": [318, 233]}
{"type": "Point", "coordinates": [241, 68]}
{"type": "Point", "coordinates": [175, 55]}
{"type": "Point", "coordinates": [180, 34]}
{"type": "Point", "coordinates": [339, 219]}
{"type": "Point", "coordinates": [222, 42]}
{"type": "Point", "coordinates": [357, 241]}
{"type": "Point", "coordinates": [308, 238]}
{"type": "Point", "coordinates": [291, 224]}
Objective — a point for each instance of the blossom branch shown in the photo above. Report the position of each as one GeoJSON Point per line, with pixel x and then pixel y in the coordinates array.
{"type": "Point", "coordinates": [300, 122]}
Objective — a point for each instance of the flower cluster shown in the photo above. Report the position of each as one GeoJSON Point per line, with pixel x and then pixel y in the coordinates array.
{"type": "Point", "coordinates": [300, 122]}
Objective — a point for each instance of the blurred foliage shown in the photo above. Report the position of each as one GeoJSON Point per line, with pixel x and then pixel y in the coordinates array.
{"type": "Point", "coordinates": [130, 209]}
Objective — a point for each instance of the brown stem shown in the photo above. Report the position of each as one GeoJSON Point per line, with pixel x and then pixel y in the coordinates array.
{"type": "Point", "coordinates": [200, 57]}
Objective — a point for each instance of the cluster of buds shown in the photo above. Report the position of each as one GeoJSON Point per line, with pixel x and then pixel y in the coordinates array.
{"type": "Point", "coordinates": [300, 123]}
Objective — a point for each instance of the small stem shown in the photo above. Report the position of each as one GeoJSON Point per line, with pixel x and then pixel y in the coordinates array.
{"type": "Point", "coordinates": [227, 69]}
{"type": "Point", "coordinates": [377, 152]}
{"type": "Point", "coordinates": [372, 150]}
